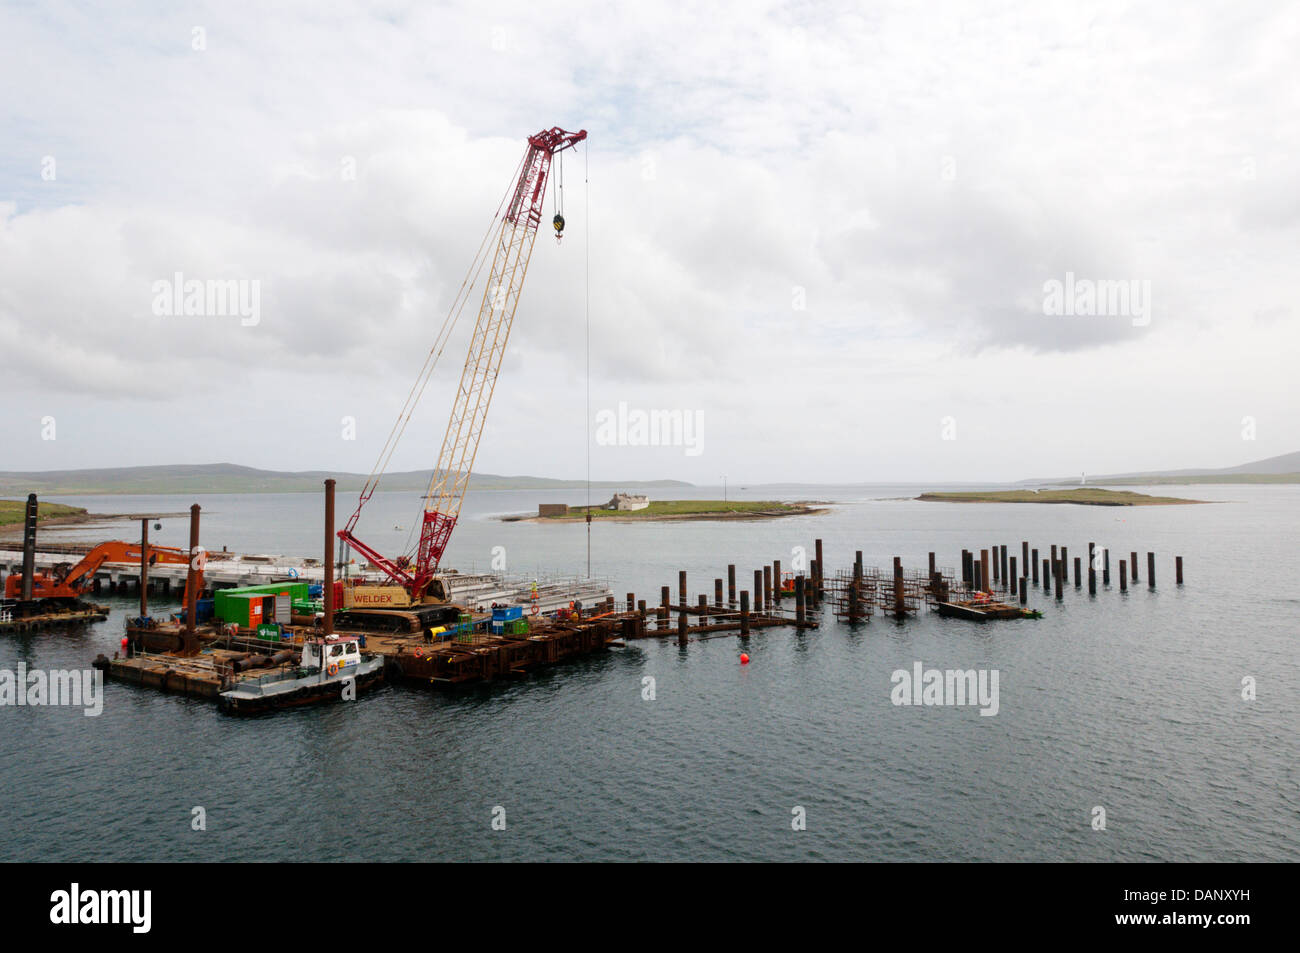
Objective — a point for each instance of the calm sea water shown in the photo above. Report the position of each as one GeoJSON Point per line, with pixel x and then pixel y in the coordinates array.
{"type": "Point", "coordinates": [1129, 702]}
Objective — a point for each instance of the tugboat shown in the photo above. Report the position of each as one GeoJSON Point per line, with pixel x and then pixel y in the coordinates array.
{"type": "Point", "coordinates": [329, 665]}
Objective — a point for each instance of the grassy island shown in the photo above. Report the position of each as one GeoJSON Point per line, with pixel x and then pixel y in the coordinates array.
{"type": "Point", "coordinates": [681, 510]}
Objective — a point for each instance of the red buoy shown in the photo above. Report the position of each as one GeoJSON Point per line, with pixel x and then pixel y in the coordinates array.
{"type": "Point", "coordinates": [744, 658]}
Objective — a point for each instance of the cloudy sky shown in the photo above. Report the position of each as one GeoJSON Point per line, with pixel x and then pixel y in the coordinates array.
{"type": "Point", "coordinates": [828, 232]}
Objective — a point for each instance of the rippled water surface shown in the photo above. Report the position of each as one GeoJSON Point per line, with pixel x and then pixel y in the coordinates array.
{"type": "Point", "coordinates": [1130, 702]}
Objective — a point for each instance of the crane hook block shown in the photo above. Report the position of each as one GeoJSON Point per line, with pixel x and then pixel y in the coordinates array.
{"type": "Point", "coordinates": [558, 222]}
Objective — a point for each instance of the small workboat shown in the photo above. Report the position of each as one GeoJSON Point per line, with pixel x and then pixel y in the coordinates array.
{"type": "Point", "coordinates": [331, 667]}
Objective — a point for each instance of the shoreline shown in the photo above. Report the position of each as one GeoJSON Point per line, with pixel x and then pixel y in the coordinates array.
{"type": "Point", "coordinates": [14, 531]}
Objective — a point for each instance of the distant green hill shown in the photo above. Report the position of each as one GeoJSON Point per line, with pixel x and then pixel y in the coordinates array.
{"type": "Point", "coordinates": [1193, 479]}
{"type": "Point", "coordinates": [1280, 469]}
{"type": "Point", "coordinates": [1086, 496]}
{"type": "Point", "coordinates": [231, 478]}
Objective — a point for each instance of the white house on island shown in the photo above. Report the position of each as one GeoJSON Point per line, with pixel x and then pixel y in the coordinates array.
{"type": "Point", "coordinates": [627, 501]}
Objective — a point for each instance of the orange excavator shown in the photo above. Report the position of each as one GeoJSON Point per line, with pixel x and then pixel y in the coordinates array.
{"type": "Point", "coordinates": [70, 581]}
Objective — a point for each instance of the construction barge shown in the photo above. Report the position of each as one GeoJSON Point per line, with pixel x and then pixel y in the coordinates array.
{"type": "Point", "coordinates": [291, 642]}
{"type": "Point", "coordinates": [983, 610]}
{"type": "Point", "coordinates": [220, 666]}
{"type": "Point", "coordinates": [17, 617]}
{"type": "Point", "coordinates": [31, 600]}
{"type": "Point", "coordinates": [482, 648]}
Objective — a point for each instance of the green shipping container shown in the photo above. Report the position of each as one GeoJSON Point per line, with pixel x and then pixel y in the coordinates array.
{"type": "Point", "coordinates": [246, 611]}
{"type": "Point", "coordinates": [231, 605]}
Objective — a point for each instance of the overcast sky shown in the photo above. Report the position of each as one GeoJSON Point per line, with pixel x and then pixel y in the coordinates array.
{"type": "Point", "coordinates": [825, 231]}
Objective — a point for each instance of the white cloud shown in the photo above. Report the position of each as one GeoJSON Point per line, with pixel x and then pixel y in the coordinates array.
{"type": "Point", "coordinates": [915, 175]}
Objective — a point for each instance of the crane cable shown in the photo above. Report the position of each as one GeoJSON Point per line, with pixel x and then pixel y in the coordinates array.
{"type": "Point", "coordinates": [586, 429]}
{"type": "Point", "coordinates": [467, 286]}
{"type": "Point", "coordinates": [476, 267]}
{"type": "Point", "coordinates": [557, 196]}
{"type": "Point", "coordinates": [435, 352]}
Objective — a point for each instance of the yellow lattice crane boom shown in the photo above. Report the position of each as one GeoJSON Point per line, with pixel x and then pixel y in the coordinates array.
{"type": "Point", "coordinates": [514, 246]}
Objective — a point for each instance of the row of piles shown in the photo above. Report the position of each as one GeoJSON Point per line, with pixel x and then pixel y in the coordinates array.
{"type": "Point", "coordinates": [982, 573]}
{"type": "Point", "coordinates": [768, 592]}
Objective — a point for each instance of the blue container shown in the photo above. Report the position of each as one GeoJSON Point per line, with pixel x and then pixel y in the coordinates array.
{"type": "Point", "coordinates": [203, 610]}
{"type": "Point", "coordinates": [507, 613]}
{"type": "Point", "coordinates": [315, 591]}
{"type": "Point", "coordinates": [497, 628]}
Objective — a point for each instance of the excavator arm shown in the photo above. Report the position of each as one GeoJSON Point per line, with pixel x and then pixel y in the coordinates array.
{"type": "Point", "coordinates": [78, 579]}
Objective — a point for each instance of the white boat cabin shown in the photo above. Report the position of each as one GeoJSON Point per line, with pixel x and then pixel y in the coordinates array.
{"type": "Point", "coordinates": [336, 654]}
